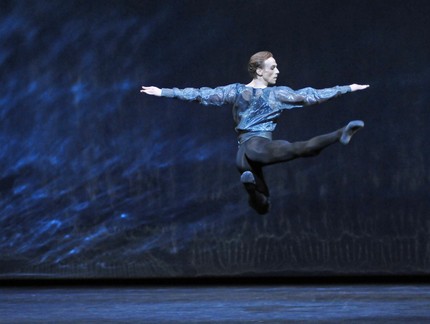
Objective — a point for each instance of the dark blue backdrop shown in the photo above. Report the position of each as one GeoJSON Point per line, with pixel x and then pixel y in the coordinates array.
{"type": "Point", "coordinates": [97, 179]}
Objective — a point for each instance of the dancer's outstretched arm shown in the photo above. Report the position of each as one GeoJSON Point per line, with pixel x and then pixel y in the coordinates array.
{"type": "Point", "coordinates": [310, 96]}
{"type": "Point", "coordinates": [207, 96]}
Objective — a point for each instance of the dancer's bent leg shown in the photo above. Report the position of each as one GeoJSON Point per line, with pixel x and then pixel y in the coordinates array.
{"type": "Point", "coordinates": [253, 180]}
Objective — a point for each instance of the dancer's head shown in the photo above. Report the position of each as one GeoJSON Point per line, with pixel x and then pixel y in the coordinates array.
{"type": "Point", "coordinates": [262, 65]}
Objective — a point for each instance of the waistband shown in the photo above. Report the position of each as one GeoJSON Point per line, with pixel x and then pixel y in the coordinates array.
{"type": "Point", "coordinates": [243, 137]}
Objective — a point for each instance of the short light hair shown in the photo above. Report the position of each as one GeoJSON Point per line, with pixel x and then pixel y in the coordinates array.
{"type": "Point", "coordinates": [257, 61]}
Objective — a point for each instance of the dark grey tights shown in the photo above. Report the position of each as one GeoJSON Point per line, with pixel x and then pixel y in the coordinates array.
{"type": "Point", "coordinates": [258, 152]}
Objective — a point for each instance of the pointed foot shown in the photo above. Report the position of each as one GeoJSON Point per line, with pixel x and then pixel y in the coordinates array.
{"type": "Point", "coordinates": [350, 130]}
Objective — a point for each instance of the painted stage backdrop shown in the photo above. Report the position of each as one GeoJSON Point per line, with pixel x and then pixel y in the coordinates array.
{"type": "Point", "coordinates": [99, 180]}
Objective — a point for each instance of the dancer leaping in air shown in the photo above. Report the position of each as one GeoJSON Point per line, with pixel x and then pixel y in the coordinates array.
{"type": "Point", "coordinates": [256, 108]}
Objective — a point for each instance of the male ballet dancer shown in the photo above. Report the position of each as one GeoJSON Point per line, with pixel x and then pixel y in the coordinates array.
{"type": "Point", "coordinates": [256, 108]}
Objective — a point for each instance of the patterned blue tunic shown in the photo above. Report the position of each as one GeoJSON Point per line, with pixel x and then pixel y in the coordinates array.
{"type": "Point", "coordinates": [256, 110]}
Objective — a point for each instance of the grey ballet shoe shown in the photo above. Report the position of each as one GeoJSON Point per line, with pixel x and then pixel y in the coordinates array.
{"type": "Point", "coordinates": [350, 130]}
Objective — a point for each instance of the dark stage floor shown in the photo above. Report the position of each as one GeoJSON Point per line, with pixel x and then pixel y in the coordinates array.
{"type": "Point", "coordinates": [225, 304]}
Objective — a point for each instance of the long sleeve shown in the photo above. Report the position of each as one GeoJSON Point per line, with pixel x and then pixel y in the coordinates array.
{"type": "Point", "coordinates": [307, 96]}
{"type": "Point", "coordinates": [206, 96]}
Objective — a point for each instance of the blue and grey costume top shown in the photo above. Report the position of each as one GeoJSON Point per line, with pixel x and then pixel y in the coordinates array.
{"type": "Point", "coordinates": [255, 110]}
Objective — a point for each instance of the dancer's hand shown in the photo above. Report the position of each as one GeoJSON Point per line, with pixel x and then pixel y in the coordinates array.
{"type": "Point", "coordinates": [355, 87]}
{"type": "Point", "coordinates": [153, 91]}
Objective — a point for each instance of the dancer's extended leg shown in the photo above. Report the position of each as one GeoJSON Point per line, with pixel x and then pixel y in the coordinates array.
{"type": "Point", "coordinates": [266, 152]}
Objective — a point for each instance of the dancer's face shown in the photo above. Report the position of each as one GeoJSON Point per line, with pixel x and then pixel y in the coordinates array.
{"type": "Point", "coordinates": [270, 71]}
